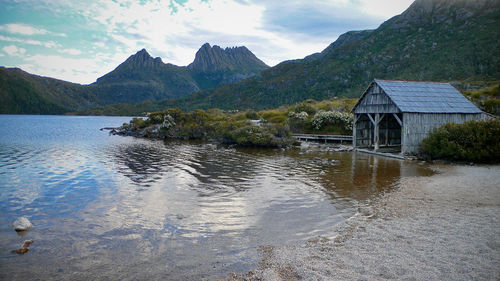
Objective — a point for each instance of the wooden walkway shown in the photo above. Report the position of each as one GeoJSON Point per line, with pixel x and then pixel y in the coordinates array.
{"type": "Point", "coordinates": [323, 138]}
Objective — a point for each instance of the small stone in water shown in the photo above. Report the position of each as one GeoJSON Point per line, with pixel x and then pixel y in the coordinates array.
{"type": "Point", "coordinates": [20, 251]}
{"type": "Point", "coordinates": [27, 243]}
{"type": "Point", "coordinates": [22, 224]}
{"type": "Point", "coordinates": [24, 248]}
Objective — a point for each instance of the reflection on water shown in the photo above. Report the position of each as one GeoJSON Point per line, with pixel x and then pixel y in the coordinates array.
{"type": "Point", "coordinates": [124, 208]}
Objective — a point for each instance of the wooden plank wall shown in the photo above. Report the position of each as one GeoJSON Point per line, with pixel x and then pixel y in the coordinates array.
{"type": "Point", "coordinates": [376, 101]}
{"type": "Point", "coordinates": [362, 131]}
{"type": "Point", "coordinates": [416, 126]}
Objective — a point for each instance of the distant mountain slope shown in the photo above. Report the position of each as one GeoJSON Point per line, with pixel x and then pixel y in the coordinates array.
{"type": "Point", "coordinates": [214, 66]}
{"type": "Point", "coordinates": [24, 93]}
{"type": "Point", "coordinates": [140, 78]}
{"type": "Point", "coordinates": [435, 40]}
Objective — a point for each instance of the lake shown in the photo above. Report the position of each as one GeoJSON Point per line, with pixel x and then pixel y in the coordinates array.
{"type": "Point", "coordinates": [112, 207]}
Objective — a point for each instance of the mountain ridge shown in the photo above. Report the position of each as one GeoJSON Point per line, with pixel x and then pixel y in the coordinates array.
{"type": "Point", "coordinates": [139, 78]}
{"type": "Point", "coordinates": [25, 93]}
{"type": "Point", "coordinates": [142, 77]}
{"type": "Point", "coordinates": [433, 40]}
{"type": "Point", "coordinates": [214, 66]}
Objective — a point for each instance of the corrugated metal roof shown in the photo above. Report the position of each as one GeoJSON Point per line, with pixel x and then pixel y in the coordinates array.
{"type": "Point", "coordinates": [426, 97]}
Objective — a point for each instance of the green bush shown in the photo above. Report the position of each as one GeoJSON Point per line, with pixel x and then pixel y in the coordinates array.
{"type": "Point", "coordinates": [487, 98]}
{"type": "Point", "coordinates": [306, 106]}
{"type": "Point", "coordinates": [252, 115]}
{"type": "Point", "coordinates": [138, 123]}
{"type": "Point", "coordinates": [491, 106]}
{"type": "Point", "coordinates": [476, 141]}
{"type": "Point", "coordinates": [234, 127]}
{"type": "Point", "coordinates": [298, 121]}
{"type": "Point", "coordinates": [343, 121]}
{"type": "Point", "coordinates": [274, 115]}
{"type": "Point", "coordinates": [252, 136]}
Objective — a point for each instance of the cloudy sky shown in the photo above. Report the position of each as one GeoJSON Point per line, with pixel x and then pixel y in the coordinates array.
{"type": "Point", "coordinates": [79, 41]}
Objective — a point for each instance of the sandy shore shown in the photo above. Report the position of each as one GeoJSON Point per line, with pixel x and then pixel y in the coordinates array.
{"type": "Point", "coordinates": [443, 227]}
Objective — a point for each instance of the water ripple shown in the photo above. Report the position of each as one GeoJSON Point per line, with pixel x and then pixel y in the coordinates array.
{"type": "Point", "coordinates": [99, 201]}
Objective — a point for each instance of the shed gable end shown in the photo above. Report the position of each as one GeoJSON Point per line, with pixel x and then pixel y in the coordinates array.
{"type": "Point", "coordinates": [375, 100]}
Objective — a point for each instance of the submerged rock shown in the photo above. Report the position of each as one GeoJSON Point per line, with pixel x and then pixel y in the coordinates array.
{"type": "Point", "coordinates": [22, 224]}
{"type": "Point", "coordinates": [20, 251]}
{"type": "Point", "coordinates": [24, 247]}
{"type": "Point", "coordinates": [27, 243]}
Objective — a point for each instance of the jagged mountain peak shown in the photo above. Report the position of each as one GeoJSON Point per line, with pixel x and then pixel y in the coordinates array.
{"type": "Point", "coordinates": [434, 40]}
{"type": "Point", "coordinates": [214, 58]}
{"type": "Point", "coordinates": [143, 77]}
{"type": "Point", "coordinates": [141, 59]}
{"type": "Point", "coordinates": [143, 52]}
{"type": "Point", "coordinates": [207, 46]}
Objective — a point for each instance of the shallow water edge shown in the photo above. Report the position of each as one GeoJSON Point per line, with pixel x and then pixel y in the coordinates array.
{"type": "Point", "coordinates": [442, 227]}
{"type": "Point", "coordinates": [110, 207]}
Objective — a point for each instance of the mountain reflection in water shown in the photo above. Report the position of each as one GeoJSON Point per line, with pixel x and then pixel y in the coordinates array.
{"type": "Point", "coordinates": [125, 208]}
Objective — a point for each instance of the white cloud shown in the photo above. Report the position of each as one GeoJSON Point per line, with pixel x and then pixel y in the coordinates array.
{"type": "Point", "coordinates": [12, 50]}
{"type": "Point", "coordinates": [80, 70]}
{"type": "Point", "coordinates": [274, 31]}
{"type": "Point", "coordinates": [47, 44]}
{"type": "Point", "coordinates": [2, 55]}
{"type": "Point", "coordinates": [384, 9]}
{"type": "Point", "coordinates": [25, 29]}
{"type": "Point", "coordinates": [176, 36]}
{"type": "Point", "coordinates": [73, 52]}
{"type": "Point", "coordinates": [99, 45]}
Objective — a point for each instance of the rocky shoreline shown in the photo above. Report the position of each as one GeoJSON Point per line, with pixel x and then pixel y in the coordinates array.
{"type": "Point", "coordinates": [443, 227]}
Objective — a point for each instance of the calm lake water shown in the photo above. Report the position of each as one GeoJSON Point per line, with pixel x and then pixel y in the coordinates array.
{"type": "Point", "coordinates": [121, 208]}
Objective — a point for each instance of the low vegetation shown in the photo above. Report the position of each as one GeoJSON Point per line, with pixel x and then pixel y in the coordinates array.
{"type": "Point", "coordinates": [266, 128]}
{"type": "Point", "coordinates": [474, 141]}
{"type": "Point", "coordinates": [487, 98]}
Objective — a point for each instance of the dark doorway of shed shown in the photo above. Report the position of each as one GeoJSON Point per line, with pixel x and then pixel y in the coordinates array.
{"type": "Point", "coordinates": [379, 132]}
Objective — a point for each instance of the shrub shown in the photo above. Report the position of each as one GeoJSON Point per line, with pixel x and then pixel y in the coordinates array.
{"type": "Point", "coordinates": [487, 98]}
{"type": "Point", "coordinates": [298, 121]}
{"type": "Point", "coordinates": [155, 117]}
{"type": "Point", "coordinates": [252, 115]}
{"type": "Point", "coordinates": [198, 116]}
{"type": "Point", "coordinates": [323, 119]}
{"type": "Point", "coordinates": [476, 141]}
{"type": "Point", "coordinates": [252, 136]}
{"type": "Point", "coordinates": [168, 122]}
{"type": "Point", "coordinates": [239, 117]}
{"type": "Point", "coordinates": [274, 115]}
{"type": "Point", "coordinates": [492, 106]}
{"type": "Point", "coordinates": [336, 104]}
{"type": "Point", "coordinates": [138, 123]}
{"type": "Point", "coordinates": [305, 106]}
{"type": "Point", "coordinates": [298, 117]}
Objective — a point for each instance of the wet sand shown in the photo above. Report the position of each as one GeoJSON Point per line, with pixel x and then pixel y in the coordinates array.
{"type": "Point", "coordinates": [443, 227]}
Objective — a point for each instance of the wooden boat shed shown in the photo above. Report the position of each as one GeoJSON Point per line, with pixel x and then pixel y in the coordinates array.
{"type": "Point", "coordinates": [397, 115]}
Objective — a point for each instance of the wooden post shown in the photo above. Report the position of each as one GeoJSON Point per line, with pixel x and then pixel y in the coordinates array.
{"type": "Point", "coordinates": [371, 137]}
{"type": "Point", "coordinates": [386, 131]}
{"type": "Point", "coordinates": [376, 135]}
{"type": "Point", "coordinates": [353, 131]}
{"type": "Point", "coordinates": [402, 130]}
